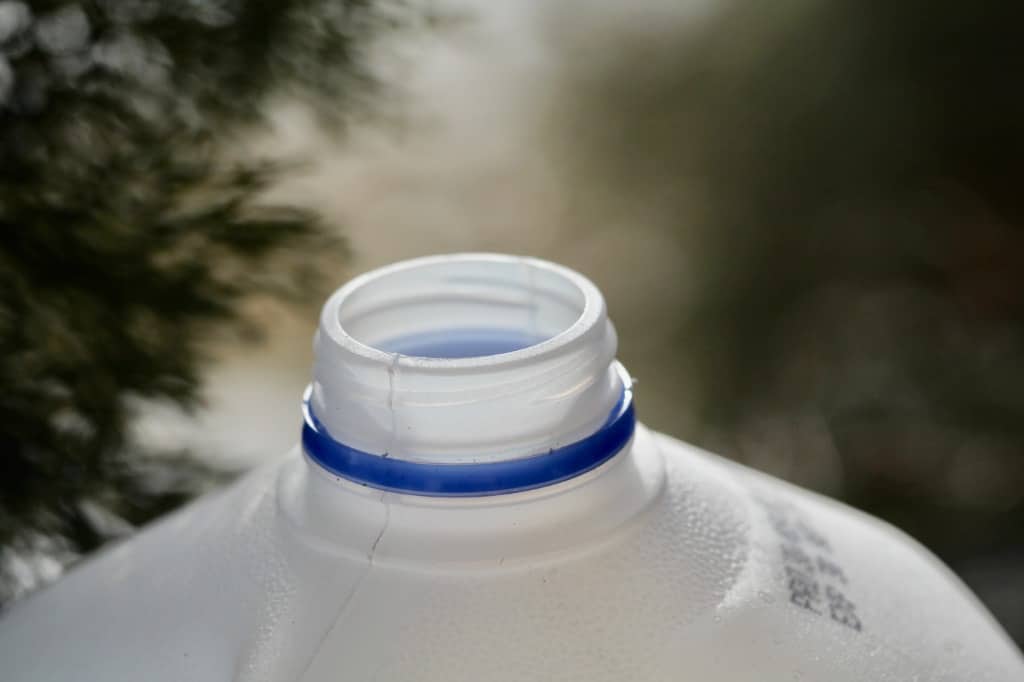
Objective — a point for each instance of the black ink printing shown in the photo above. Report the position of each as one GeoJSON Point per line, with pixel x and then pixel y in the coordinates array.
{"type": "Point", "coordinates": [813, 577]}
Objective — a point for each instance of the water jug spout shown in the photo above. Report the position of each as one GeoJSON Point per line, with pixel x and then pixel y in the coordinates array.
{"type": "Point", "coordinates": [471, 374]}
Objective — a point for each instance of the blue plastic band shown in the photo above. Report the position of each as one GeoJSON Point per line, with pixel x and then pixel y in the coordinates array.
{"type": "Point", "coordinates": [464, 480]}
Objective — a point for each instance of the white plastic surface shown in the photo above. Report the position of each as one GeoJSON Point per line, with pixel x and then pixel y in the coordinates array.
{"type": "Point", "coordinates": [664, 564]}
{"type": "Point", "coordinates": [289, 575]}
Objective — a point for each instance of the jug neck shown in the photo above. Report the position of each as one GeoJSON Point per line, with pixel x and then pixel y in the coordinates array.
{"type": "Point", "coordinates": [466, 375]}
{"type": "Point", "coordinates": [504, 532]}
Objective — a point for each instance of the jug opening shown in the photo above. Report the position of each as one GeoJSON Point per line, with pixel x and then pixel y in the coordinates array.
{"type": "Point", "coordinates": [462, 308]}
{"type": "Point", "coordinates": [466, 361]}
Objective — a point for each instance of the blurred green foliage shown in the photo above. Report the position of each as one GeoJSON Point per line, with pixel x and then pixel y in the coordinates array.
{"type": "Point", "coordinates": [129, 226]}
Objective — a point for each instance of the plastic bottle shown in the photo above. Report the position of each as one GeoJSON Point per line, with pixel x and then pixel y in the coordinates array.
{"type": "Point", "coordinates": [473, 501]}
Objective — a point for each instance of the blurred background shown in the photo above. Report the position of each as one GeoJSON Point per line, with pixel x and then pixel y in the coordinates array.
{"type": "Point", "coordinates": [806, 217]}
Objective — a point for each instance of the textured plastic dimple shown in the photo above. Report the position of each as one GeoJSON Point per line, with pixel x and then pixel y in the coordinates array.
{"type": "Point", "coordinates": [261, 583]}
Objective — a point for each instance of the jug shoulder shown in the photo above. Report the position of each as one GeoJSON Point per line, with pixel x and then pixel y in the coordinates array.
{"type": "Point", "coordinates": [827, 589]}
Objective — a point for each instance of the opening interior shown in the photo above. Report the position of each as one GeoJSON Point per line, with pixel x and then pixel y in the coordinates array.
{"type": "Point", "coordinates": [462, 309]}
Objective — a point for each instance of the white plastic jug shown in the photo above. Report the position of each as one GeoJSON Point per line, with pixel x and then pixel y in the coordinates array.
{"type": "Point", "coordinates": [473, 501]}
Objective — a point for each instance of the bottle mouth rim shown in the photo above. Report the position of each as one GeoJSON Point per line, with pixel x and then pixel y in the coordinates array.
{"type": "Point", "coordinates": [564, 287]}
